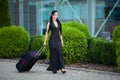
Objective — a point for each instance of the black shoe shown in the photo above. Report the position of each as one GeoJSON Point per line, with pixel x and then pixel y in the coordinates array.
{"type": "Point", "coordinates": [54, 72]}
{"type": "Point", "coordinates": [63, 71]}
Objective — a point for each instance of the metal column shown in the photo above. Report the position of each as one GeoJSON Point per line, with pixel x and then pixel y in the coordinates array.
{"type": "Point", "coordinates": [39, 17]}
{"type": "Point", "coordinates": [91, 16]}
{"type": "Point", "coordinates": [21, 15]}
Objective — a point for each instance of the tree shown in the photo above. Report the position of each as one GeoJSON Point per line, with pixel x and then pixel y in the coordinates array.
{"type": "Point", "coordinates": [5, 19]}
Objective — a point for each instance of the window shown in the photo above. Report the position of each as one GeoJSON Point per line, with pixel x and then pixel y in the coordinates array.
{"type": "Point", "coordinates": [100, 13]}
{"type": "Point", "coordinates": [66, 12]}
{"type": "Point", "coordinates": [116, 13]}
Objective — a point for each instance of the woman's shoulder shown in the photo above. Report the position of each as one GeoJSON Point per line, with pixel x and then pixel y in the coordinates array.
{"type": "Point", "coordinates": [49, 23]}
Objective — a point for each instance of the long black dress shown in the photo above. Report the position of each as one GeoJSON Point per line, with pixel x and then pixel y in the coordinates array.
{"type": "Point", "coordinates": [55, 46]}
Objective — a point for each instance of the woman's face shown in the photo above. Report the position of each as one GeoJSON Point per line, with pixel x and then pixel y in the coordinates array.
{"type": "Point", "coordinates": [55, 16]}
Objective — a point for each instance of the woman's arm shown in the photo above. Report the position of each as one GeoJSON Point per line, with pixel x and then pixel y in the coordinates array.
{"type": "Point", "coordinates": [61, 39]}
{"type": "Point", "coordinates": [46, 34]}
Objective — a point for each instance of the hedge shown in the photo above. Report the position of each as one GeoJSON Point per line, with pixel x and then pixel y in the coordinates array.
{"type": "Point", "coordinates": [118, 63]}
{"type": "Point", "coordinates": [101, 51]}
{"type": "Point", "coordinates": [116, 39]}
{"type": "Point", "coordinates": [82, 27]}
{"type": "Point", "coordinates": [118, 55]}
{"type": "Point", "coordinates": [14, 41]}
{"type": "Point", "coordinates": [116, 34]}
{"type": "Point", "coordinates": [75, 44]}
{"type": "Point", "coordinates": [36, 43]}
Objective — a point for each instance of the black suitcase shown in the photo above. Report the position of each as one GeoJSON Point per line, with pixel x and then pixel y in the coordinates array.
{"type": "Point", "coordinates": [28, 60]}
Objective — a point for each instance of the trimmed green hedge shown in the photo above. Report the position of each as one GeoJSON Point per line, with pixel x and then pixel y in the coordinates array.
{"type": "Point", "coordinates": [116, 34]}
{"type": "Point", "coordinates": [108, 56]}
{"type": "Point", "coordinates": [82, 27]}
{"type": "Point", "coordinates": [5, 19]}
{"type": "Point", "coordinates": [118, 54]}
{"type": "Point", "coordinates": [14, 41]}
{"type": "Point", "coordinates": [118, 63]}
{"type": "Point", "coordinates": [75, 44]}
{"type": "Point", "coordinates": [116, 39]}
{"type": "Point", "coordinates": [36, 43]}
{"type": "Point", "coordinates": [101, 51]}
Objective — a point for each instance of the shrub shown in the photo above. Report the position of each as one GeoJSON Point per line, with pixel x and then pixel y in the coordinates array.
{"type": "Point", "coordinates": [118, 48]}
{"type": "Point", "coordinates": [75, 44]}
{"type": "Point", "coordinates": [14, 41]}
{"type": "Point", "coordinates": [82, 27]}
{"type": "Point", "coordinates": [5, 19]}
{"type": "Point", "coordinates": [36, 43]}
{"type": "Point", "coordinates": [116, 39]}
{"type": "Point", "coordinates": [47, 52]}
{"type": "Point", "coordinates": [101, 51]}
{"type": "Point", "coordinates": [118, 54]}
{"type": "Point", "coordinates": [94, 50]}
{"type": "Point", "coordinates": [108, 56]}
{"type": "Point", "coordinates": [118, 63]}
{"type": "Point", "coordinates": [116, 34]}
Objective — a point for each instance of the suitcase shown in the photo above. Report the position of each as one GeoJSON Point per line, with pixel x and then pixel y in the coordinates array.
{"type": "Point", "coordinates": [28, 60]}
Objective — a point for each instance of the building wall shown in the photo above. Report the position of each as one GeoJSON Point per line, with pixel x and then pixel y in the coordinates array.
{"type": "Point", "coordinates": [36, 13]}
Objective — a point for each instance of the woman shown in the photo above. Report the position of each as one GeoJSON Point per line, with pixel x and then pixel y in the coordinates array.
{"type": "Point", "coordinates": [55, 43]}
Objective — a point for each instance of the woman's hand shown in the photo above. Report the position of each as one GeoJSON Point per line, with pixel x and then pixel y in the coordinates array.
{"type": "Point", "coordinates": [62, 43]}
{"type": "Point", "coordinates": [44, 44]}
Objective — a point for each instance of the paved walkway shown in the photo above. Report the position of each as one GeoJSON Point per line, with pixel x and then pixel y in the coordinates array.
{"type": "Point", "coordinates": [38, 72]}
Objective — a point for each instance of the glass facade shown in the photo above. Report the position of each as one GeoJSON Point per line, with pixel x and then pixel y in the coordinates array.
{"type": "Point", "coordinates": [34, 14]}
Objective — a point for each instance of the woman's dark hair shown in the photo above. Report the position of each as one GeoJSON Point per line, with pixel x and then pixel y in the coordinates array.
{"type": "Point", "coordinates": [51, 21]}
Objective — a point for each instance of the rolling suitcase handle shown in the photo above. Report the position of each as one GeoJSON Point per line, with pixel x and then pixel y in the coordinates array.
{"type": "Point", "coordinates": [39, 51]}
